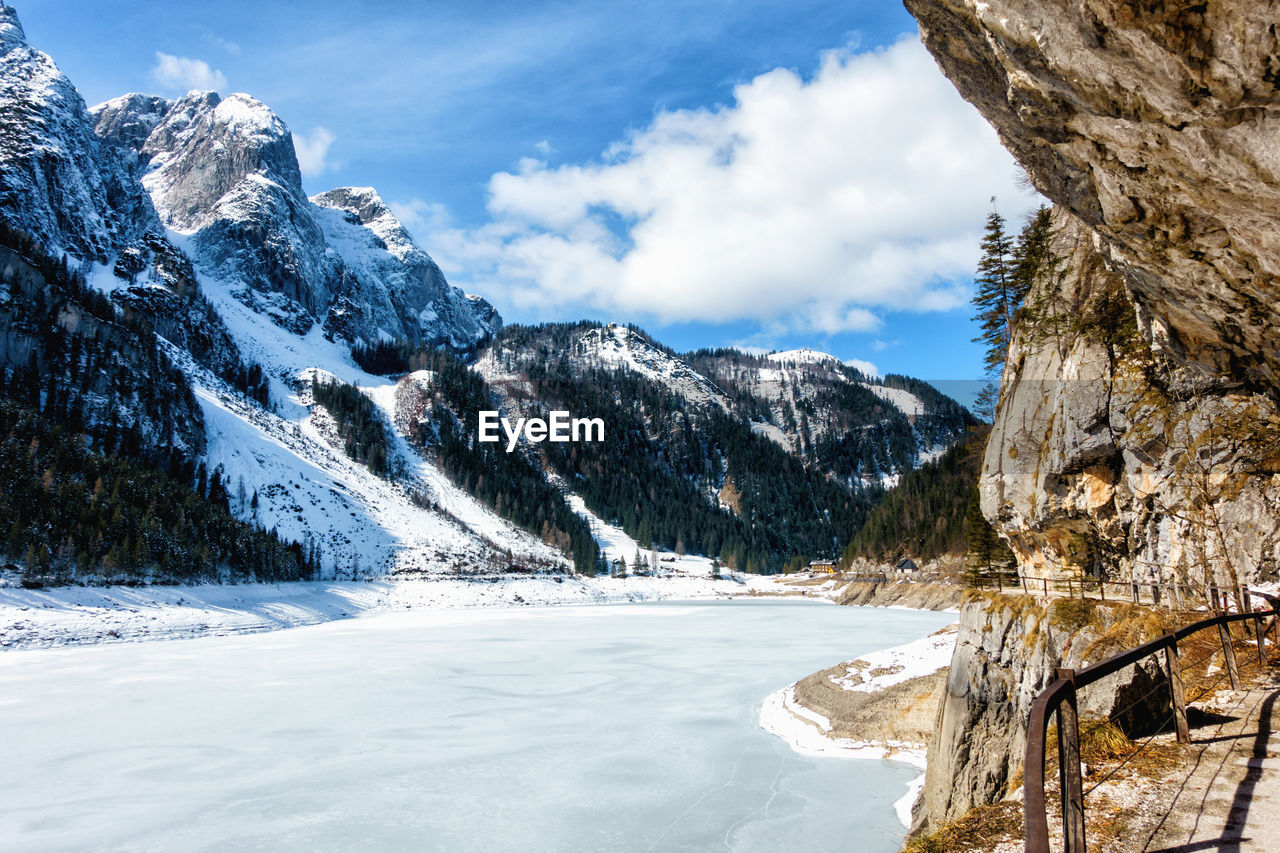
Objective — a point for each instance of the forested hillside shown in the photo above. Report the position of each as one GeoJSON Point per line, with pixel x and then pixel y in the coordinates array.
{"type": "Point", "coordinates": [925, 516]}
{"type": "Point", "coordinates": [718, 452]}
{"type": "Point", "coordinates": [101, 444]}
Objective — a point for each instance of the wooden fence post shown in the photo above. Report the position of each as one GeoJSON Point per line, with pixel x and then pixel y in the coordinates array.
{"type": "Point", "coordinates": [1213, 596]}
{"type": "Point", "coordinates": [1175, 688]}
{"type": "Point", "coordinates": [1135, 591]}
{"type": "Point", "coordinates": [1262, 640]}
{"type": "Point", "coordinates": [1224, 634]}
{"type": "Point", "coordinates": [1023, 578]}
{"type": "Point", "coordinates": [1069, 769]}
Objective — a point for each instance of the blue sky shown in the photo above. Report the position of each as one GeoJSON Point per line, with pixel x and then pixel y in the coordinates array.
{"type": "Point", "coordinates": [751, 173]}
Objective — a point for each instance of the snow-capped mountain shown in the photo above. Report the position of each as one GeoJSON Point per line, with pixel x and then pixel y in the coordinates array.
{"type": "Point", "coordinates": [170, 291]}
{"type": "Point", "coordinates": [611, 347]}
{"type": "Point", "coordinates": [63, 185]}
{"type": "Point", "coordinates": [403, 293]}
{"type": "Point", "coordinates": [223, 174]}
{"type": "Point", "coordinates": [856, 427]}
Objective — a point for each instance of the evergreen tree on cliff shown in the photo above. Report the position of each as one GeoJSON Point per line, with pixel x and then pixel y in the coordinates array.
{"type": "Point", "coordinates": [1006, 272]}
{"type": "Point", "coordinates": [989, 561]}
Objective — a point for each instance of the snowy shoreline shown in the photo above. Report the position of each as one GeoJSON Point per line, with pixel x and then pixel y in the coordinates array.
{"type": "Point", "coordinates": [808, 732]}
{"type": "Point", "coordinates": [782, 716]}
{"type": "Point", "coordinates": [68, 616]}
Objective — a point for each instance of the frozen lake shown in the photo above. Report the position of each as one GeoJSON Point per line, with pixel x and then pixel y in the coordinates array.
{"type": "Point", "coordinates": [629, 728]}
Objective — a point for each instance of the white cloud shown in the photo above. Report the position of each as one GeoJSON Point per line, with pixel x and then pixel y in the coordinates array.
{"type": "Point", "coordinates": [420, 217]}
{"type": "Point", "coordinates": [313, 152]}
{"type": "Point", "coordinates": [813, 205]}
{"type": "Point", "coordinates": [864, 367]}
{"type": "Point", "coordinates": [181, 73]}
{"type": "Point", "coordinates": [227, 45]}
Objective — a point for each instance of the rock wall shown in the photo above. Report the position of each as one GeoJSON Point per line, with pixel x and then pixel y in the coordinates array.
{"type": "Point", "coordinates": [1138, 433]}
{"type": "Point", "coordinates": [1006, 653]}
{"type": "Point", "coordinates": [1138, 428]}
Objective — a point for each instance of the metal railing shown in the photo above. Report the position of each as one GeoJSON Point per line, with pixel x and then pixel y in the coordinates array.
{"type": "Point", "coordinates": [1060, 698]}
{"type": "Point", "coordinates": [1167, 594]}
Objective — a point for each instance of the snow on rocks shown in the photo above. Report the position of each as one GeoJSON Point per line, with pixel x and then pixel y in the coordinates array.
{"type": "Point", "coordinates": [805, 732]}
{"type": "Point", "coordinates": [618, 346]}
{"type": "Point", "coordinates": [878, 670]}
{"type": "Point", "coordinates": [809, 732]}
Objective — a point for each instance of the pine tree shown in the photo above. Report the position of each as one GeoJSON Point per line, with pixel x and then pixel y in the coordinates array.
{"type": "Point", "coordinates": [994, 299]}
{"type": "Point", "coordinates": [1006, 273]}
{"type": "Point", "coordinates": [989, 561]}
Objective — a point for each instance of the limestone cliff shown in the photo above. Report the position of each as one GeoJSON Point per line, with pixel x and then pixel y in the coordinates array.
{"type": "Point", "coordinates": [1138, 427]}
{"type": "Point", "coordinates": [1138, 433]}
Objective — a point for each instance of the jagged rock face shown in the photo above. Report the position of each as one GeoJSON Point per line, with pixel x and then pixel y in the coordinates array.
{"type": "Point", "coordinates": [1156, 126]}
{"type": "Point", "coordinates": [1111, 458]}
{"type": "Point", "coordinates": [224, 171]}
{"type": "Point", "coordinates": [1007, 651]}
{"type": "Point", "coordinates": [130, 119]}
{"type": "Point", "coordinates": [1138, 432]}
{"type": "Point", "coordinates": [399, 291]}
{"type": "Point", "coordinates": [58, 182]}
{"type": "Point", "coordinates": [1143, 445]}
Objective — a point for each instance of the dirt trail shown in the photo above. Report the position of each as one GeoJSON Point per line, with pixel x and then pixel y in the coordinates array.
{"type": "Point", "coordinates": [1226, 795]}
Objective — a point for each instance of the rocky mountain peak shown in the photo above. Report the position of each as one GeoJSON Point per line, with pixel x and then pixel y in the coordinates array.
{"type": "Point", "coordinates": [207, 151]}
{"type": "Point", "coordinates": [399, 291]}
{"type": "Point", "coordinates": [373, 213]}
{"type": "Point", "coordinates": [11, 33]}
{"type": "Point", "coordinates": [58, 181]}
{"type": "Point", "coordinates": [129, 119]}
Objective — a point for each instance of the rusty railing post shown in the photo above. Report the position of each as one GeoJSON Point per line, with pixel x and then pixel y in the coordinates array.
{"type": "Point", "coordinates": [1174, 665]}
{"type": "Point", "coordinates": [1069, 769]}
{"type": "Point", "coordinates": [1229, 653]}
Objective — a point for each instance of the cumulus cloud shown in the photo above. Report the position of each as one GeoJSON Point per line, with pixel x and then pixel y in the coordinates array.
{"type": "Point", "coordinates": [815, 204]}
{"type": "Point", "coordinates": [182, 73]}
{"type": "Point", "coordinates": [313, 151]}
{"type": "Point", "coordinates": [866, 368]}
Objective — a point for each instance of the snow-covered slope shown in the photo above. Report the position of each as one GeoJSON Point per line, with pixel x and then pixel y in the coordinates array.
{"type": "Point", "coordinates": [802, 356]}
{"type": "Point", "coordinates": [616, 347]}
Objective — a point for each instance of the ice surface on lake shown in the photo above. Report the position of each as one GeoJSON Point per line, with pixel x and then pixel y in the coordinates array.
{"type": "Point", "coordinates": [630, 728]}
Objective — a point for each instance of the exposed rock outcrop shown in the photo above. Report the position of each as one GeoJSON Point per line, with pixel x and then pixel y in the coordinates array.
{"type": "Point", "coordinates": [1138, 420]}
{"type": "Point", "coordinates": [401, 290]}
{"type": "Point", "coordinates": [1138, 428]}
{"type": "Point", "coordinates": [923, 595]}
{"type": "Point", "coordinates": [1006, 653]}
{"type": "Point", "coordinates": [225, 172]}
{"type": "Point", "coordinates": [58, 182]}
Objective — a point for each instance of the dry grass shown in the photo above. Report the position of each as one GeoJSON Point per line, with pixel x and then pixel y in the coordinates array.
{"type": "Point", "coordinates": [1133, 626]}
{"type": "Point", "coordinates": [979, 831]}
